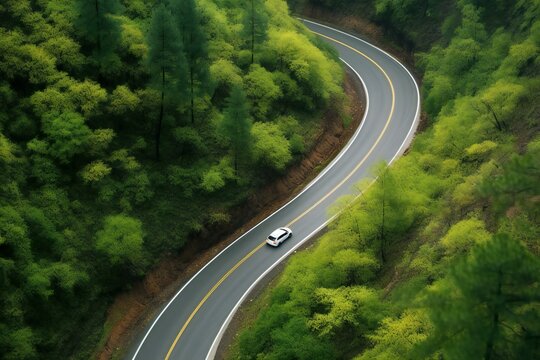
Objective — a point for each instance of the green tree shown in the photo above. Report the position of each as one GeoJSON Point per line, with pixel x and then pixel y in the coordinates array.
{"type": "Point", "coordinates": [463, 235]}
{"type": "Point", "coordinates": [121, 239]}
{"type": "Point", "coordinates": [98, 27]}
{"type": "Point", "coordinates": [18, 344]}
{"type": "Point", "coordinates": [67, 135]}
{"type": "Point", "coordinates": [501, 100]}
{"type": "Point", "coordinates": [270, 147]}
{"type": "Point", "coordinates": [189, 20]}
{"type": "Point", "coordinates": [236, 126]}
{"type": "Point", "coordinates": [255, 24]}
{"type": "Point", "coordinates": [488, 305]}
{"type": "Point", "coordinates": [517, 183]}
{"type": "Point", "coordinates": [261, 90]}
{"type": "Point", "coordinates": [384, 212]}
{"type": "Point", "coordinates": [166, 61]}
{"type": "Point", "coordinates": [123, 101]}
{"type": "Point", "coordinates": [397, 338]}
{"type": "Point", "coordinates": [348, 307]}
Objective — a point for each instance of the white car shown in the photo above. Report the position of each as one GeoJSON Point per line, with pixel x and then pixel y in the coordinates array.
{"type": "Point", "coordinates": [278, 236]}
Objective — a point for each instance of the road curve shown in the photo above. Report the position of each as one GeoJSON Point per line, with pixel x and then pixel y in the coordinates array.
{"type": "Point", "coordinates": [190, 326]}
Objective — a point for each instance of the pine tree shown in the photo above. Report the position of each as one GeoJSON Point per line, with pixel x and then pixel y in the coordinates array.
{"type": "Point", "coordinates": [99, 29]}
{"type": "Point", "coordinates": [386, 209]}
{"type": "Point", "coordinates": [166, 61]}
{"type": "Point", "coordinates": [488, 305]}
{"type": "Point", "coordinates": [189, 22]}
{"type": "Point", "coordinates": [517, 184]}
{"type": "Point", "coordinates": [255, 24]}
{"type": "Point", "coordinates": [236, 126]}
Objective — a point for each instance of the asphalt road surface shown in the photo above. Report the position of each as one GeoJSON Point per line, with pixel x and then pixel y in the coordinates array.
{"type": "Point", "coordinates": [190, 326]}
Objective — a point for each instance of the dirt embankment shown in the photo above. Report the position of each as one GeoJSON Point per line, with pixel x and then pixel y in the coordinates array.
{"type": "Point", "coordinates": [134, 309]}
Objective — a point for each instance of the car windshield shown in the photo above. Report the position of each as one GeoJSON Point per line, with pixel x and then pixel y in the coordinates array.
{"type": "Point", "coordinates": [271, 237]}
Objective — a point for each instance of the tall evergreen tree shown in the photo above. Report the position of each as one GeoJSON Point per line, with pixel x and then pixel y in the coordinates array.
{"type": "Point", "coordinates": [386, 211]}
{"type": "Point", "coordinates": [189, 22]}
{"type": "Point", "coordinates": [255, 24]}
{"type": "Point", "coordinates": [166, 61]}
{"type": "Point", "coordinates": [99, 28]}
{"type": "Point", "coordinates": [236, 126]}
{"type": "Point", "coordinates": [488, 306]}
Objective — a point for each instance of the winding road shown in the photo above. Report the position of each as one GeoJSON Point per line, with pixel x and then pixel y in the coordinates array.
{"type": "Point", "coordinates": [190, 326]}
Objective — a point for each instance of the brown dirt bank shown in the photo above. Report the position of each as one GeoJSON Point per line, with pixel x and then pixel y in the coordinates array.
{"type": "Point", "coordinates": [134, 309]}
{"type": "Point", "coordinates": [258, 297]}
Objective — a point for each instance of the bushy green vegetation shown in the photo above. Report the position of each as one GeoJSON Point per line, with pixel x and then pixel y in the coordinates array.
{"type": "Point", "coordinates": [124, 127]}
{"type": "Point", "coordinates": [440, 258]}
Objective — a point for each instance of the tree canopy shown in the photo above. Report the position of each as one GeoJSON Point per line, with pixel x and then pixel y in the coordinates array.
{"type": "Point", "coordinates": [439, 257]}
{"type": "Point", "coordinates": [112, 114]}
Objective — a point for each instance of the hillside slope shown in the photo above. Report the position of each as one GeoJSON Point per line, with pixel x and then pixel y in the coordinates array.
{"type": "Point", "coordinates": [440, 258]}
{"type": "Point", "coordinates": [127, 128]}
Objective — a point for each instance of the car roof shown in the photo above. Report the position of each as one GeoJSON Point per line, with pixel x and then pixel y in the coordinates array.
{"type": "Point", "coordinates": [278, 232]}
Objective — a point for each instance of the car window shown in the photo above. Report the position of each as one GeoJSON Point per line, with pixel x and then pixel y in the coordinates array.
{"type": "Point", "coordinates": [271, 237]}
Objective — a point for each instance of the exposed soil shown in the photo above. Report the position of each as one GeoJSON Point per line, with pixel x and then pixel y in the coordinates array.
{"type": "Point", "coordinates": [134, 309]}
{"type": "Point", "coordinates": [247, 312]}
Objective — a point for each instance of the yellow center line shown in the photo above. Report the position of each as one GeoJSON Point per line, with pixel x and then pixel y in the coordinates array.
{"type": "Point", "coordinates": [224, 277]}
{"type": "Point", "coordinates": [376, 141]}
{"type": "Point", "coordinates": [208, 295]}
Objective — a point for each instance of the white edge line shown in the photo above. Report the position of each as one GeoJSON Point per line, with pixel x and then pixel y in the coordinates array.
{"type": "Point", "coordinates": [213, 349]}
{"type": "Point", "coordinates": [407, 140]}
{"type": "Point", "coordinates": [417, 114]}
{"type": "Point", "coordinates": [349, 144]}
{"type": "Point", "coordinates": [326, 169]}
{"type": "Point", "coordinates": [215, 344]}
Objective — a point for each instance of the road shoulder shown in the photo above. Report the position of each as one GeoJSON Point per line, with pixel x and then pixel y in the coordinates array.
{"type": "Point", "coordinates": [132, 311]}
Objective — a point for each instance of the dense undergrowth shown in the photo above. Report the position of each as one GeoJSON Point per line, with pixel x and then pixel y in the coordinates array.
{"type": "Point", "coordinates": [440, 258]}
{"type": "Point", "coordinates": [126, 127]}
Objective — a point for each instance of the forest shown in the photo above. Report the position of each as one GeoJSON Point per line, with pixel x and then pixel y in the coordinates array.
{"type": "Point", "coordinates": [440, 259]}
{"type": "Point", "coordinates": [127, 127]}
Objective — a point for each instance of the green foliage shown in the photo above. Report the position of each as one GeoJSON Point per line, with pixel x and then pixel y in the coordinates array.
{"type": "Point", "coordinates": [67, 135]}
{"type": "Point", "coordinates": [305, 63]}
{"type": "Point", "coordinates": [261, 90]}
{"type": "Point", "coordinates": [95, 171]}
{"type": "Point", "coordinates": [87, 88]}
{"type": "Point", "coordinates": [255, 24]}
{"type": "Point", "coordinates": [236, 126]}
{"type": "Point", "coordinates": [121, 240]}
{"type": "Point", "coordinates": [166, 58]}
{"type": "Point", "coordinates": [215, 178]}
{"type": "Point", "coordinates": [353, 307]}
{"type": "Point", "coordinates": [166, 62]}
{"type": "Point", "coordinates": [123, 101]}
{"type": "Point", "coordinates": [517, 182]}
{"type": "Point", "coordinates": [463, 235]}
{"type": "Point", "coordinates": [397, 337]}
{"type": "Point", "coordinates": [97, 25]}
{"type": "Point", "coordinates": [270, 147]}
{"type": "Point", "coordinates": [444, 244]}
{"type": "Point", "coordinates": [488, 304]}
{"type": "Point", "coordinates": [69, 95]}
{"type": "Point", "coordinates": [19, 344]}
